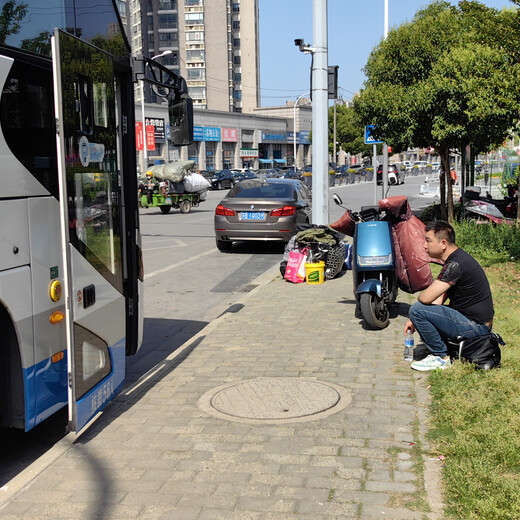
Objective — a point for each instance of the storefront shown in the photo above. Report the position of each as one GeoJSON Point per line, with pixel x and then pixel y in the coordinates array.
{"type": "Point", "coordinates": [229, 146]}
{"type": "Point", "coordinates": [248, 157]}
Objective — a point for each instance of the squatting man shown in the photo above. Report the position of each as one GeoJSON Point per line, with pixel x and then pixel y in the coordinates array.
{"type": "Point", "coordinates": [461, 280]}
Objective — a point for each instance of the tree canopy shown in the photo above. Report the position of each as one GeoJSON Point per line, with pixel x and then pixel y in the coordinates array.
{"type": "Point", "coordinates": [445, 79]}
{"type": "Point", "coordinates": [349, 131]}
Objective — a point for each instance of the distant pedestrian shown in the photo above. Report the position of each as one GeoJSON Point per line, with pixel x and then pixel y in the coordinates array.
{"type": "Point", "coordinates": [453, 175]}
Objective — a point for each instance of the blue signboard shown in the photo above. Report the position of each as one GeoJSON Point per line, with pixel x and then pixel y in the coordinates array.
{"type": "Point", "coordinates": [198, 133]}
{"type": "Point", "coordinates": [274, 137]}
{"type": "Point", "coordinates": [368, 135]}
{"type": "Point", "coordinates": [304, 137]}
{"type": "Point", "coordinates": [211, 133]}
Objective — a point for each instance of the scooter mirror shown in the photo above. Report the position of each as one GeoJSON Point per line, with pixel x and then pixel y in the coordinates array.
{"type": "Point", "coordinates": [337, 199]}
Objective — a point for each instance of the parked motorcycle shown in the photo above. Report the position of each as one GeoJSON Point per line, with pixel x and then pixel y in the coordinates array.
{"type": "Point", "coordinates": [485, 209]}
{"type": "Point", "coordinates": [373, 267]}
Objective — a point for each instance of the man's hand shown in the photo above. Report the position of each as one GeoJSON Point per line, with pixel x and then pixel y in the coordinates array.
{"type": "Point", "coordinates": [409, 326]}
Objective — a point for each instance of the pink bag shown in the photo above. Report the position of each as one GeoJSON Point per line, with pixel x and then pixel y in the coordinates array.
{"type": "Point", "coordinates": [295, 270]}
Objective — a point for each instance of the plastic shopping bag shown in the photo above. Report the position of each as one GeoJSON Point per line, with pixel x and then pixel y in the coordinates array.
{"type": "Point", "coordinates": [295, 270]}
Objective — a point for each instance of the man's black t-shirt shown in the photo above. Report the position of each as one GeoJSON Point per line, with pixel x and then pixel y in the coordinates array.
{"type": "Point", "coordinates": [469, 293]}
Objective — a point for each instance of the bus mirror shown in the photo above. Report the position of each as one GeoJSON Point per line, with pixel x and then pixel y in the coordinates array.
{"type": "Point", "coordinates": [181, 121]}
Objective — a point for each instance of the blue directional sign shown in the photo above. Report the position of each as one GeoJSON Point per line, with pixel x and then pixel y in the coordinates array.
{"type": "Point", "coordinates": [368, 135]}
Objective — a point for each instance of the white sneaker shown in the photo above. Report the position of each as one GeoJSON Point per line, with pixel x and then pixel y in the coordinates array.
{"type": "Point", "coordinates": [431, 362]}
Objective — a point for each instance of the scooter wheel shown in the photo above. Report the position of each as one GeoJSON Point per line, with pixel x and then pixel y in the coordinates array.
{"type": "Point", "coordinates": [374, 310]}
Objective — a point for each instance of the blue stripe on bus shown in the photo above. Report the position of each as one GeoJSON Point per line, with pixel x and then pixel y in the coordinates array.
{"type": "Point", "coordinates": [45, 385]}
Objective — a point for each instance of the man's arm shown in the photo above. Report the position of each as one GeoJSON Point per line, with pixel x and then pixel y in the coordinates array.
{"type": "Point", "coordinates": [435, 294]}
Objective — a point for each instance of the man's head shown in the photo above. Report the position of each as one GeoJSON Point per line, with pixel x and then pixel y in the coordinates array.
{"type": "Point", "coordinates": [439, 239]}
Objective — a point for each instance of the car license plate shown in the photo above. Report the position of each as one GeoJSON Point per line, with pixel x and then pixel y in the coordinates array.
{"type": "Point", "coordinates": [252, 215]}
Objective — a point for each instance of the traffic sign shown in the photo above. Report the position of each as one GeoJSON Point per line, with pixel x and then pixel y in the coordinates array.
{"type": "Point", "coordinates": [368, 135]}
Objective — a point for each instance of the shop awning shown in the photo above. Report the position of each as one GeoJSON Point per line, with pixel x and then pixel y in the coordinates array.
{"type": "Point", "coordinates": [265, 161]}
{"type": "Point", "coordinates": [280, 161]}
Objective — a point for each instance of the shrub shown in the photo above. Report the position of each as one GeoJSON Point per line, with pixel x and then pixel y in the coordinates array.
{"type": "Point", "coordinates": [493, 244]}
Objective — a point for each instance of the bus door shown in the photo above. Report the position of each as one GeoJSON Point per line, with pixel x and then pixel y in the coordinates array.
{"type": "Point", "coordinates": [90, 209]}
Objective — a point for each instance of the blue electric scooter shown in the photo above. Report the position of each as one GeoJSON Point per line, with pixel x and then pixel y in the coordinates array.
{"type": "Point", "coordinates": [373, 267]}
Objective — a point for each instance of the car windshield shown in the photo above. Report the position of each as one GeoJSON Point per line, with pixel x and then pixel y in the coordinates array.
{"type": "Point", "coordinates": [256, 190]}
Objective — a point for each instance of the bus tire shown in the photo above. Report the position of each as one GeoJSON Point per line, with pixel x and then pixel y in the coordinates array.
{"type": "Point", "coordinates": [185, 206]}
{"type": "Point", "coordinates": [165, 209]}
{"type": "Point", "coordinates": [12, 408]}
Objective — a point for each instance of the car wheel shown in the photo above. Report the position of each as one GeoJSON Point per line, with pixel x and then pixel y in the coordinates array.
{"type": "Point", "coordinates": [224, 245]}
{"type": "Point", "coordinates": [165, 209]}
{"type": "Point", "coordinates": [219, 185]}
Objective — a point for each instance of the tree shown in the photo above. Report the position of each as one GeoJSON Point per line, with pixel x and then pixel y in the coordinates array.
{"type": "Point", "coordinates": [10, 16]}
{"type": "Point", "coordinates": [439, 81]}
{"type": "Point", "coordinates": [350, 133]}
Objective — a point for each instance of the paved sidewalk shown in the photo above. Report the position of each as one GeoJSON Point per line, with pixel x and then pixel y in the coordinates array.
{"type": "Point", "coordinates": [155, 454]}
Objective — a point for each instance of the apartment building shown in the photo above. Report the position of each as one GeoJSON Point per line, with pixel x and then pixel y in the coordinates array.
{"type": "Point", "coordinates": [214, 45]}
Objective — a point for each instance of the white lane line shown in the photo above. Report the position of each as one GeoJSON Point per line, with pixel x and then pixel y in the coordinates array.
{"type": "Point", "coordinates": [178, 264]}
{"type": "Point", "coordinates": [176, 243]}
{"type": "Point", "coordinates": [162, 240]}
{"type": "Point", "coordinates": [163, 247]}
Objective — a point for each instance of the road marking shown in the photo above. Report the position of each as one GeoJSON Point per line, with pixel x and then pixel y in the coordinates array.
{"type": "Point", "coordinates": [163, 247]}
{"type": "Point", "coordinates": [177, 243]}
{"type": "Point", "coordinates": [178, 264]}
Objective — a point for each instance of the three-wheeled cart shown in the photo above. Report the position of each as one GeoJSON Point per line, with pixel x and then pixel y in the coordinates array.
{"type": "Point", "coordinates": [174, 198]}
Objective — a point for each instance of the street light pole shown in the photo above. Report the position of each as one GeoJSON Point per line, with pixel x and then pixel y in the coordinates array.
{"type": "Point", "coordinates": [320, 97]}
{"type": "Point", "coordinates": [145, 150]}
{"type": "Point", "coordinates": [384, 171]}
{"type": "Point", "coordinates": [294, 129]}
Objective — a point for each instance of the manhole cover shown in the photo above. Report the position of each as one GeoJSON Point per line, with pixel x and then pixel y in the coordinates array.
{"type": "Point", "coordinates": [274, 400]}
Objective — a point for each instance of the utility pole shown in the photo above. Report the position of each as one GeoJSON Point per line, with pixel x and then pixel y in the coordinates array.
{"type": "Point", "coordinates": [384, 172]}
{"type": "Point", "coordinates": [320, 149]}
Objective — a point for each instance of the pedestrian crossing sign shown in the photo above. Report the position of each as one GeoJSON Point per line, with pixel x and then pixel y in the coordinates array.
{"type": "Point", "coordinates": [368, 135]}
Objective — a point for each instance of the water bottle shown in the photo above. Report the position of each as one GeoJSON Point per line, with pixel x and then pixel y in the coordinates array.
{"type": "Point", "coordinates": [408, 346]}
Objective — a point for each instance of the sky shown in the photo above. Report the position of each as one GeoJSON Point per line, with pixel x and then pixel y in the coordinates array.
{"type": "Point", "coordinates": [355, 27]}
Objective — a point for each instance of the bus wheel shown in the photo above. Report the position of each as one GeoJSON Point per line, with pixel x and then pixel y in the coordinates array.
{"type": "Point", "coordinates": [165, 209]}
{"type": "Point", "coordinates": [185, 206]}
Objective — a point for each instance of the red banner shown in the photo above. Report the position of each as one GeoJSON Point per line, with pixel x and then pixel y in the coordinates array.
{"type": "Point", "coordinates": [139, 141]}
{"type": "Point", "coordinates": [150, 137]}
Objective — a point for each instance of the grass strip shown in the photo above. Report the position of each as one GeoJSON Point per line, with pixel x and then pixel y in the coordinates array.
{"type": "Point", "coordinates": [475, 417]}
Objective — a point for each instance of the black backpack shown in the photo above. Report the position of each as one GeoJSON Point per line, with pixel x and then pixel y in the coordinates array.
{"type": "Point", "coordinates": [482, 351]}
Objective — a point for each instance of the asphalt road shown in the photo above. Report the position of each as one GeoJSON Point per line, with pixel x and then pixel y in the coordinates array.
{"type": "Point", "coordinates": [188, 283]}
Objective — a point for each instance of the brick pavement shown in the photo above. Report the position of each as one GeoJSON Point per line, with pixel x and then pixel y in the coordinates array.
{"type": "Point", "coordinates": [154, 454]}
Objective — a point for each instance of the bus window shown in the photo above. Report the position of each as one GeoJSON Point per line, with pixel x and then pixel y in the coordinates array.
{"type": "Point", "coordinates": [27, 118]}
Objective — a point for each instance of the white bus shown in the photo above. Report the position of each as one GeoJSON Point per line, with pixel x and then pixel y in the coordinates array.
{"type": "Point", "coordinates": [71, 273]}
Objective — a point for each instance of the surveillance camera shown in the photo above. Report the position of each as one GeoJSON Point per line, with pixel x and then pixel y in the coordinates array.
{"type": "Point", "coordinates": [298, 42]}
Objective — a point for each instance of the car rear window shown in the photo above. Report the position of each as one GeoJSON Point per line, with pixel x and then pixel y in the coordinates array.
{"type": "Point", "coordinates": [248, 190]}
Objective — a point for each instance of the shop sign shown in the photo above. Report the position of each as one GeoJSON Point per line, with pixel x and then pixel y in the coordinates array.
{"type": "Point", "coordinates": [290, 137]}
{"type": "Point", "coordinates": [211, 133]}
{"type": "Point", "coordinates": [229, 135]}
{"type": "Point", "coordinates": [158, 126]}
{"type": "Point", "coordinates": [150, 137]}
{"type": "Point", "coordinates": [249, 152]}
{"type": "Point", "coordinates": [139, 140]}
{"type": "Point", "coordinates": [198, 133]}
{"type": "Point", "coordinates": [304, 137]}
{"type": "Point", "coordinates": [274, 137]}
